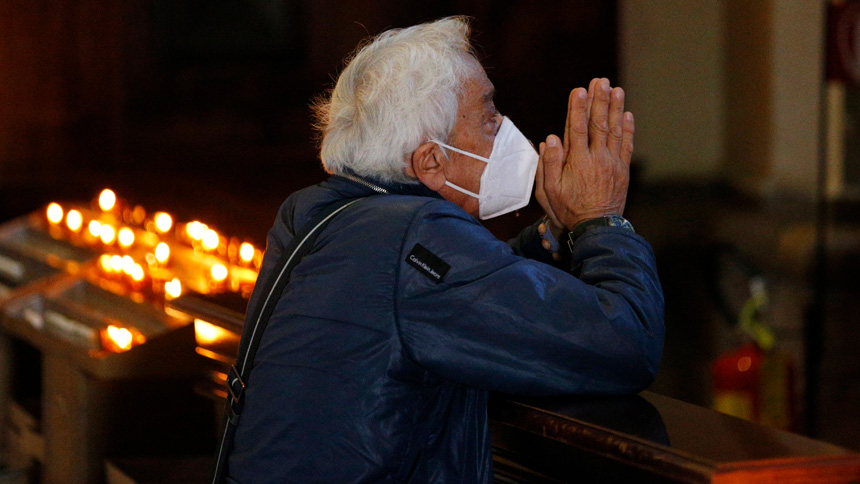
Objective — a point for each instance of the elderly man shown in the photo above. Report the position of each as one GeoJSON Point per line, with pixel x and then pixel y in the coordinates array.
{"type": "Point", "coordinates": [379, 355]}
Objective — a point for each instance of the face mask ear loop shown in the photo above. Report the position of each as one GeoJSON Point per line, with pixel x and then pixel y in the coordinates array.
{"type": "Point", "coordinates": [455, 187]}
{"type": "Point", "coordinates": [442, 147]}
{"type": "Point", "coordinates": [462, 152]}
{"type": "Point", "coordinates": [462, 190]}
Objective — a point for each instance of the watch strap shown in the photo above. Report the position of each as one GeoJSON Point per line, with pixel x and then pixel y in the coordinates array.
{"type": "Point", "coordinates": [605, 221]}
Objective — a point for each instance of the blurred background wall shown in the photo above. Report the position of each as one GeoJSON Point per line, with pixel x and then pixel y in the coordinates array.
{"type": "Point", "coordinates": [745, 165]}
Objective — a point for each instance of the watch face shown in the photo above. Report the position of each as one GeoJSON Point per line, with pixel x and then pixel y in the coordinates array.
{"type": "Point", "coordinates": [618, 221]}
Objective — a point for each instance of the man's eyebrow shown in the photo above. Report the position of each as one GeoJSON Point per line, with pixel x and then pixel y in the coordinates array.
{"type": "Point", "coordinates": [490, 95]}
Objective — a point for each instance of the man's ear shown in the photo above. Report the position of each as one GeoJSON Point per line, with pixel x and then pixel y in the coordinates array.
{"type": "Point", "coordinates": [427, 165]}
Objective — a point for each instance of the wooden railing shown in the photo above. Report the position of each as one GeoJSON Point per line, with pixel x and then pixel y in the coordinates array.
{"type": "Point", "coordinates": [652, 438]}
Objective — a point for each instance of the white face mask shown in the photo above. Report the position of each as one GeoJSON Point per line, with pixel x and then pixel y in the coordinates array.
{"type": "Point", "coordinates": [508, 178]}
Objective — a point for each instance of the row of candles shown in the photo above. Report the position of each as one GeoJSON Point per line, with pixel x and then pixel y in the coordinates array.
{"type": "Point", "coordinates": [197, 233]}
{"type": "Point", "coordinates": [105, 230]}
{"type": "Point", "coordinates": [113, 231]}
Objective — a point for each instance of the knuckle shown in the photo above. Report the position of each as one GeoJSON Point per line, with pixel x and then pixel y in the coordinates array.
{"type": "Point", "coordinates": [627, 148]}
{"type": "Point", "coordinates": [599, 125]}
{"type": "Point", "coordinates": [580, 128]}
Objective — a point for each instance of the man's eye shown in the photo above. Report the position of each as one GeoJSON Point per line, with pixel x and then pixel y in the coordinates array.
{"type": "Point", "coordinates": [495, 122]}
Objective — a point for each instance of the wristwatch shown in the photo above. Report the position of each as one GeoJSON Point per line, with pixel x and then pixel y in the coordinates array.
{"type": "Point", "coordinates": [605, 221]}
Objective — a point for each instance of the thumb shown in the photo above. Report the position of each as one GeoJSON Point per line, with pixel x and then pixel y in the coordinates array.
{"type": "Point", "coordinates": [552, 160]}
{"type": "Point", "coordinates": [548, 182]}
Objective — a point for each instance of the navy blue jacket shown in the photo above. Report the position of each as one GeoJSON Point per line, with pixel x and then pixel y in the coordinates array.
{"type": "Point", "coordinates": [378, 359]}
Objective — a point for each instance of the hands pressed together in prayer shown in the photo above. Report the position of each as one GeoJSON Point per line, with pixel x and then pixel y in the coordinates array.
{"type": "Point", "coordinates": [585, 175]}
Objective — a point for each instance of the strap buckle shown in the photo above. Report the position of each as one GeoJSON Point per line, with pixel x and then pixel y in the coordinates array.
{"type": "Point", "coordinates": [235, 390]}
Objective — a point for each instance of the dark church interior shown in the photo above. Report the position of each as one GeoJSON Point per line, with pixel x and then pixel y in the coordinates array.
{"type": "Point", "coordinates": [745, 180]}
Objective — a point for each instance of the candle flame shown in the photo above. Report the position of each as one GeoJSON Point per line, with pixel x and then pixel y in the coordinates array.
{"type": "Point", "coordinates": [246, 252]}
{"type": "Point", "coordinates": [121, 336]}
{"type": "Point", "coordinates": [173, 288]}
{"type": "Point", "coordinates": [127, 264]}
{"type": "Point", "coordinates": [219, 272]}
{"type": "Point", "coordinates": [162, 252]}
{"type": "Point", "coordinates": [107, 200]}
{"type": "Point", "coordinates": [107, 233]}
{"type": "Point", "coordinates": [95, 228]}
{"type": "Point", "coordinates": [74, 220]}
{"type": "Point", "coordinates": [105, 262]}
{"type": "Point", "coordinates": [116, 263]}
{"type": "Point", "coordinates": [137, 273]}
{"type": "Point", "coordinates": [210, 239]}
{"type": "Point", "coordinates": [126, 237]}
{"type": "Point", "coordinates": [55, 213]}
{"type": "Point", "coordinates": [163, 222]}
{"type": "Point", "coordinates": [195, 230]}
{"type": "Point", "coordinates": [118, 339]}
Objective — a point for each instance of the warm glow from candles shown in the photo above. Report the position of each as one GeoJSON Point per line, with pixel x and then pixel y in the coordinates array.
{"type": "Point", "coordinates": [219, 272]}
{"type": "Point", "coordinates": [162, 252]}
{"type": "Point", "coordinates": [107, 234]}
{"type": "Point", "coordinates": [246, 252]}
{"type": "Point", "coordinates": [116, 263]}
{"type": "Point", "coordinates": [137, 272]}
{"type": "Point", "coordinates": [95, 228]}
{"type": "Point", "coordinates": [55, 213]}
{"type": "Point", "coordinates": [207, 333]}
{"type": "Point", "coordinates": [126, 237]}
{"type": "Point", "coordinates": [195, 230]}
{"type": "Point", "coordinates": [127, 264]}
{"type": "Point", "coordinates": [210, 239]}
{"type": "Point", "coordinates": [173, 288]}
{"type": "Point", "coordinates": [104, 261]}
{"type": "Point", "coordinates": [74, 220]}
{"type": "Point", "coordinates": [163, 222]}
{"type": "Point", "coordinates": [107, 199]}
{"type": "Point", "coordinates": [121, 336]}
{"type": "Point", "coordinates": [138, 215]}
{"type": "Point", "coordinates": [117, 339]}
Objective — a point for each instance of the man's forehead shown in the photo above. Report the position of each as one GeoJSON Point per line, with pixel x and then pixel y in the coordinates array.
{"type": "Point", "coordinates": [480, 89]}
{"type": "Point", "coordinates": [486, 87]}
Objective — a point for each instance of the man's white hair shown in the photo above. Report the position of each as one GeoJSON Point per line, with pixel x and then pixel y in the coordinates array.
{"type": "Point", "coordinates": [399, 90]}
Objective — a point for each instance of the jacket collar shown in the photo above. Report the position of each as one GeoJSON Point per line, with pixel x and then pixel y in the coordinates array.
{"type": "Point", "coordinates": [353, 185]}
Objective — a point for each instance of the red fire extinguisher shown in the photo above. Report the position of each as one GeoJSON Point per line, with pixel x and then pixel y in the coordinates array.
{"type": "Point", "coordinates": [754, 381]}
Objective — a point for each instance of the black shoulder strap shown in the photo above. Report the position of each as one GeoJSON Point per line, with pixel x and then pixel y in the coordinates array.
{"type": "Point", "coordinates": [258, 318]}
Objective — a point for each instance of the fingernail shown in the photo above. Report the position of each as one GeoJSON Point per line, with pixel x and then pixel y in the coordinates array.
{"type": "Point", "coordinates": [605, 84]}
{"type": "Point", "coordinates": [552, 141]}
{"type": "Point", "coordinates": [541, 148]}
{"type": "Point", "coordinates": [581, 93]}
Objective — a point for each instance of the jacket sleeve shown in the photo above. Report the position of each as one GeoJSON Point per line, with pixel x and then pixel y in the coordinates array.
{"type": "Point", "coordinates": [498, 321]}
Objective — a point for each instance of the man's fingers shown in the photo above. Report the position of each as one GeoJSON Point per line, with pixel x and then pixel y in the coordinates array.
{"type": "Point", "coordinates": [549, 176]}
{"type": "Point", "coordinates": [552, 159]}
{"type": "Point", "coordinates": [568, 122]}
{"type": "Point", "coordinates": [540, 179]}
{"type": "Point", "coordinates": [628, 128]}
{"type": "Point", "coordinates": [592, 86]}
{"type": "Point", "coordinates": [540, 193]}
{"type": "Point", "coordinates": [616, 120]}
{"type": "Point", "coordinates": [576, 134]}
{"type": "Point", "coordinates": [598, 126]}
